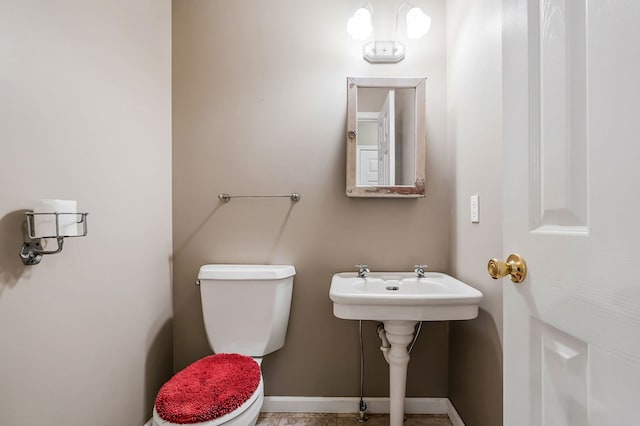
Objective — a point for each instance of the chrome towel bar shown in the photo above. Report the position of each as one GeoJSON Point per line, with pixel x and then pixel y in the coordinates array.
{"type": "Point", "coordinates": [225, 198]}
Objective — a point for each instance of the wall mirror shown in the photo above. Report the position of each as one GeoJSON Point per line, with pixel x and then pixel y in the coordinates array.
{"type": "Point", "coordinates": [385, 137]}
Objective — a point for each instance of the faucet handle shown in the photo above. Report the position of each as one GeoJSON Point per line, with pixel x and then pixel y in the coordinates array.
{"type": "Point", "coordinates": [363, 270]}
{"type": "Point", "coordinates": [420, 270]}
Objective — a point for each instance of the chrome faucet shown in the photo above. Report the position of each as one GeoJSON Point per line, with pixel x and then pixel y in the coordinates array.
{"type": "Point", "coordinates": [420, 270]}
{"type": "Point", "coordinates": [363, 270]}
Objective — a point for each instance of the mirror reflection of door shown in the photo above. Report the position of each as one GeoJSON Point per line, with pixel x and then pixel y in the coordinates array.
{"type": "Point", "coordinates": [368, 166]}
{"type": "Point", "coordinates": [367, 149]}
{"type": "Point", "coordinates": [387, 141]}
{"type": "Point", "coordinates": [386, 128]}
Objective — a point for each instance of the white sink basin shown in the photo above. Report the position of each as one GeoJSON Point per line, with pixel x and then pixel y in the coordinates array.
{"type": "Point", "coordinates": [383, 296]}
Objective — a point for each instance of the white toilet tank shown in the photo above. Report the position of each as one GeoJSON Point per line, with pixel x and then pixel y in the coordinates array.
{"type": "Point", "coordinates": [246, 307]}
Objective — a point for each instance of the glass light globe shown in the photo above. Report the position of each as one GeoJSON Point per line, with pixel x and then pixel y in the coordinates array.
{"type": "Point", "coordinates": [359, 25]}
{"type": "Point", "coordinates": [418, 23]}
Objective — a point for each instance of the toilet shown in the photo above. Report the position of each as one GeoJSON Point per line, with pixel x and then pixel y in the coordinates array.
{"type": "Point", "coordinates": [246, 312]}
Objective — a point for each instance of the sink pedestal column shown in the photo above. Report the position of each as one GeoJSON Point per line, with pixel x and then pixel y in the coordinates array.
{"type": "Point", "coordinates": [399, 334]}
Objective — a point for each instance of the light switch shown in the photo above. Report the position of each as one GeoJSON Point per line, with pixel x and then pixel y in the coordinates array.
{"type": "Point", "coordinates": [475, 209]}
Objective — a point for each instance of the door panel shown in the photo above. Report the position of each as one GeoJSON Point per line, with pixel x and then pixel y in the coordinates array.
{"type": "Point", "coordinates": [557, 106]}
{"type": "Point", "coordinates": [367, 166]}
{"type": "Point", "coordinates": [560, 364]}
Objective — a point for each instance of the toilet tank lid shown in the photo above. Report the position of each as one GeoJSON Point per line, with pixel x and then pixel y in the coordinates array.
{"type": "Point", "coordinates": [245, 272]}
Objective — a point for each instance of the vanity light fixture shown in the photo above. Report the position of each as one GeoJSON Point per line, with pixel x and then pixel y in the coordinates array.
{"type": "Point", "coordinates": [360, 27]}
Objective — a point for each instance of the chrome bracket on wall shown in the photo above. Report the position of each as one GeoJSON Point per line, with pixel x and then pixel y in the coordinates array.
{"type": "Point", "coordinates": [32, 251]}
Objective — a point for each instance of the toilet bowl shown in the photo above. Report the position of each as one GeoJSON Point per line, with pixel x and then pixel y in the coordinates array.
{"type": "Point", "coordinates": [246, 312]}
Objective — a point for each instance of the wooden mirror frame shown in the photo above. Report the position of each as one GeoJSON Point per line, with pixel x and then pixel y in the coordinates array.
{"type": "Point", "coordinates": [398, 191]}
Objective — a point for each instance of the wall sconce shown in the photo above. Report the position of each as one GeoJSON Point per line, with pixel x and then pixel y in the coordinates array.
{"type": "Point", "coordinates": [360, 27]}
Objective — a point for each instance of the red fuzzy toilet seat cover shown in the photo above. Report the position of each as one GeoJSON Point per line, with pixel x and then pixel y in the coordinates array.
{"type": "Point", "coordinates": [209, 388]}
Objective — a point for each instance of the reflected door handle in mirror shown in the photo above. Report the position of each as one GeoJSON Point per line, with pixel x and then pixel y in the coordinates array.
{"type": "Point", "coordinates": [514, 266]}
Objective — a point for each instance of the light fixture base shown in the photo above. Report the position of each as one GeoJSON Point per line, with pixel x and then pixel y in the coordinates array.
{"type": "Point", "coordinates": [383, 52]}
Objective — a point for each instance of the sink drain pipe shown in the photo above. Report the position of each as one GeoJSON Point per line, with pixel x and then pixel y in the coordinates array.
{"type": "Point", "coordinates": [385, 342]}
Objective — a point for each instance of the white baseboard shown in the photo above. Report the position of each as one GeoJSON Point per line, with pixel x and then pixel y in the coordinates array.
{"type": "Point", "coordinates": [453, 414]}
{"type": "Point", "coordinates": [304, 404]}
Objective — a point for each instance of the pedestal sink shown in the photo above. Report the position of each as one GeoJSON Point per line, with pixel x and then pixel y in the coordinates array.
{"type": "Point", "coordinates": [400, 300]}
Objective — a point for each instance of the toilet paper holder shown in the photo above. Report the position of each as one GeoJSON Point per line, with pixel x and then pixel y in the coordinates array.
{"type": "Point", "coordinates": [32, 251]}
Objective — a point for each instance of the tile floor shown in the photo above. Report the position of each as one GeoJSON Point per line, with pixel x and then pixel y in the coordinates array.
{"type": "Point", "coordinates": [316, 419]}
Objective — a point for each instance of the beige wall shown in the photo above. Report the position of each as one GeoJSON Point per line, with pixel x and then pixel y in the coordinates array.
{"type": "Point", "coordinates": [85, 337]}
{"type": "Point", "coordinates": [475, 136]}
{"type": "Point", "coordinates": [260, 108]}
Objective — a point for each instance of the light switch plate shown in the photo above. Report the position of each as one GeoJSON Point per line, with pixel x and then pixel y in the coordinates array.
{"type": "Point", "coordinates": [475, 209]}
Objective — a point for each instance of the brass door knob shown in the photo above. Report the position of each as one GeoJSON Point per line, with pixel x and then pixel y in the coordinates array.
{"type": "Point", "coordinates": [514, 266]}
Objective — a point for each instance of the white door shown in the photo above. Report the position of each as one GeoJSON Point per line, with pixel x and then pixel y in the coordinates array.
{"type": "Point", "coordinates": [387, 141]}
{"type": "Point", "coordinates": [571, 75]}
{"type": "Point", "coordinates": [367, 166]}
